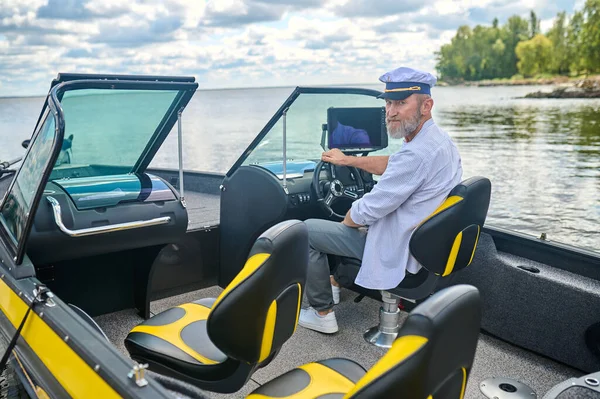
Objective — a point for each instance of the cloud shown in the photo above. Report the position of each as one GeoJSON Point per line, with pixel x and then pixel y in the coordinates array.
{"type": "Point", "coordinates": [327, 41]}
{"type": "Point", "coordinates": [438, 22]}
{"type": "Point", "coordinates": [503, 10]}
{"type": "Point", "coordinates": [138, 33]}
{"type": "Point", "coordinates": [166, 25]}
{"type": "Point", "coordinates": [238, 14]}
{"type": "Point", "coordinates": [79, 53]}
{"type": "Point", "coordinates": [296, 4]}
{"type": "Point", "coordinates": [231, 64]}
{"type": "Point", "coordinates": [233, 43]}
{"type": "Point", "coordinates": [395, 26]}
{"type": "Point", "coordinates": [75, 10]}
{"type": "Point", "coordinates": [380, 8]}
{"type": "Point", "coordinates": [23, 22]}
{"type": "Point", "coordinates": [235, 13]}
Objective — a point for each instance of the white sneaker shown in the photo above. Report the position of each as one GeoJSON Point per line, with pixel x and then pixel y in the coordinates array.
{"type": "Point", "coordinates": [310, 318]}
{"type": "Point", "coordinates": [335, 291]}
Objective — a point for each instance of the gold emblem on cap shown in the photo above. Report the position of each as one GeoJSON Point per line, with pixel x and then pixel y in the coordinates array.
{"type": "Point", "coordinates": [413, 88]}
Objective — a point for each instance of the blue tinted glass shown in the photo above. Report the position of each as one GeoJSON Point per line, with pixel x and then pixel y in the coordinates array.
{"type": "Point", "coordinates": [106, 131]}
{"type": "Point", "coordinates": [304, 128]}
{"type": "Point", "coordinates": [17, 207]}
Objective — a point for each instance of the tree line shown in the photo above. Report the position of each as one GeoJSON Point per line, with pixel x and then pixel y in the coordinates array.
{"type": "Point", "coordinates": [570, 47]}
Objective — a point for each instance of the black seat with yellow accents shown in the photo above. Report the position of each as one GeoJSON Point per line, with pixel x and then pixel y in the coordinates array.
{"type": "Point", "coordinates": [430, 359]}
{"type": "Point", "coordinates": [216, 344]}
{"type": "Point", "coordinates": [444, 243]}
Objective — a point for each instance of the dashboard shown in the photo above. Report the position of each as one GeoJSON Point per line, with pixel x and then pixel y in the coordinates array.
{"type": "Point", "coordinates": [85, 216]}
{"type": "Point", "coordinates": [299, 176]}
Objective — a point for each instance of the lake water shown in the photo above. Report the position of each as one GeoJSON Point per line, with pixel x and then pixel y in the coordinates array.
{"type": "Point", "coordinates": [542, 156]}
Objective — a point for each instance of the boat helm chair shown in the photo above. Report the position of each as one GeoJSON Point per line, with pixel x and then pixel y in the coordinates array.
{"type": "Point", "coordinates": [432, 357]}
{"type": "Point", "coordinates": [443, 244]}
{"type": "Point", "coordinates": [216, 344]}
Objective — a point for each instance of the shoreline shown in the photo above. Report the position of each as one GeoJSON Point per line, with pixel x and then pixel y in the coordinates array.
{"type": "Point", "coordinates": [565, 87]}
{"type": "Point", "coordinates": [555, 80]}
{"type": "Point", "coordinates": [588, 85]}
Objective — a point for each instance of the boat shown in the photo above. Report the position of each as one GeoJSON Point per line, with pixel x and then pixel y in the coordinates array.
{"type": "Point", "coordinates": [94, 243]}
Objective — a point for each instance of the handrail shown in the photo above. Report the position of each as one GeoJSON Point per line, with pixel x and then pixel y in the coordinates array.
{"type": "Point", "coordinates": [101, 229]}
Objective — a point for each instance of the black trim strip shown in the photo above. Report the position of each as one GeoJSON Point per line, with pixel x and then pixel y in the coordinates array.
{"type": "Point", "coordinates": [162, 131]}
{"type": "Point", "coordinates": [59, 127]}
{"type": "Point", "coordinates": [67, 77]}
{"type": "Point", "coordinates": [59, 90]}
{"type": "Point", "coordinates": [4, 233]}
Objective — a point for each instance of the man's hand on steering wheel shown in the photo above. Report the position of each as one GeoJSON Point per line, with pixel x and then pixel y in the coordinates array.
{"type": "Point", "coordinates": [336, 157]}
{"type": "Point", "coordinates": [329, 191]}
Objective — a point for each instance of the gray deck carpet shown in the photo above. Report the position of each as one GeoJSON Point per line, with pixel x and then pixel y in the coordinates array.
{"type": "Point", "coordinates": [203, 209]}
{"type": "Point", "coordinates": [494, 358]}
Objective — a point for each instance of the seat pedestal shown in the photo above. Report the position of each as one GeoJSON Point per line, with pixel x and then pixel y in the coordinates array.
{"type": "Point", "coordinates": [384, 334]}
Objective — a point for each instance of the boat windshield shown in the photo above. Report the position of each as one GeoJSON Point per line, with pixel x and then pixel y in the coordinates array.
{"type": "Point", "coordinates": [304, 122]}
{"type": "Point", "coordinates": [108, 130]}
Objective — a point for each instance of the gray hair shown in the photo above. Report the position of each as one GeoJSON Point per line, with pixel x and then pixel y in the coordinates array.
{"type": "Point", "coordinates": [420, 100]}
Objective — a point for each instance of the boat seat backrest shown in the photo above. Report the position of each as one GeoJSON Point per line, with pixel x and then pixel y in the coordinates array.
{"type": "Point", "coordinates": [258, 311]}
{"type": "Point", "coordinates": [434, 351]}
{"type": "Point", "coordinates": [445, 242]}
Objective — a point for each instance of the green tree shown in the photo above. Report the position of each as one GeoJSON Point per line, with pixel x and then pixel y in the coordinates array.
{"type": "Point", "coordinates": [452, 57]}
{"type": "Point", "coordinates": [558, 35]}
{"type": "Point", "coordinates": [574, 43]}
{"type": "Point", "coordinates": [498, 48]}
{"type": "Point", "coordinates": [534, 24]}
{"type": "Point", "coordinates": [515, 30]}
{"type": "Point", "coordinates": [535, 55]}
{"type": "Point", "coordinates": [590, 36]}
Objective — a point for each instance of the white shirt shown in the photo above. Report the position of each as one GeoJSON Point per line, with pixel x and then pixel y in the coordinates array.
{"type": "Point", "coordinates": [417, 179]}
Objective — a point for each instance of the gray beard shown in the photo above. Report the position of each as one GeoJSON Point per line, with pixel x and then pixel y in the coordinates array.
{"type": "Point", "coordinates": [405, 127]}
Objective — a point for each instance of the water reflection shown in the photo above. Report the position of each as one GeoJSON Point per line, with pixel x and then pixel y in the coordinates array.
{"type": "Point", "coordinates": [544, 164]}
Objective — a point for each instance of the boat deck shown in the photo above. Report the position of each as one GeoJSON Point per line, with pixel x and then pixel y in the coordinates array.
{"type": "Point", "coordinates": [203, 209]}
{"type": "Point", "coordinates": [494, 358]}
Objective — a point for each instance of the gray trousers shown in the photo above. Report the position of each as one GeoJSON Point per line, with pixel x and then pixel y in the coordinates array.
{"type": "Point", "coordinates": [327, 237]}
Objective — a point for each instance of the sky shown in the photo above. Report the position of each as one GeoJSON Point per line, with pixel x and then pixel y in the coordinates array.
{"type": "Point", "coordinates": [238, 43]}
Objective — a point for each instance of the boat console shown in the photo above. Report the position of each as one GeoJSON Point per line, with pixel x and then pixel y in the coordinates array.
{"type": "Point", "coordinates": [91, 215]}
{"type": "Point", "coordinates": [298, 186]}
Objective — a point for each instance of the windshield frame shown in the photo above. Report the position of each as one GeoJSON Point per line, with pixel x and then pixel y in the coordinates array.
{"type": "Point", "coordinates": [186, 91]}
{"type": "Point", "coordinates": [18, 250]}
{"type": "Point", "coordinates": [286, 104]}
{"type": "Point", "coordinates": [53, 103]}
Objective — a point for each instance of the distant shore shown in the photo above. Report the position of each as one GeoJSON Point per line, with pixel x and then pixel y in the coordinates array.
{"type": "Point", "coordinates": [553, 80]}
{"type": "Point", "coordinates": [568, 87]}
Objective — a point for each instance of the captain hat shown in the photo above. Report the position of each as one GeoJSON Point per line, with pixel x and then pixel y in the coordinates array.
{"type": "Point", "coordinates": [402, 82]}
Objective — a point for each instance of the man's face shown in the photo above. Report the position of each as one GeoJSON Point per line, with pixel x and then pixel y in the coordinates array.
{"type": "Point", "coordinates": [402, 117]}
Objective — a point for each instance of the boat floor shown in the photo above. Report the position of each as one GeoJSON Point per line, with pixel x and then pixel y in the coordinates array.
{"type": "Point", "coordinates": [494, 358]}
{"type": "Point", "coordinates": [203, 209]}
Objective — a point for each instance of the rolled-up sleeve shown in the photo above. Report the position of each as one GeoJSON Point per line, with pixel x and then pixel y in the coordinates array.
{"type": "Point", "coordinates": [403, 175]}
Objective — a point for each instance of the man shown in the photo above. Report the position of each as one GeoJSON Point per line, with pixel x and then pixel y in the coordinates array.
{"type": "Point", "coordinates": [414, 182]}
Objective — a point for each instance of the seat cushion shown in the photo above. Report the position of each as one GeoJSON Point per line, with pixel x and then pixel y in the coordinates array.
{"type": "Point", "coordinates": [176, 339]}
{"type": "Point", "coordinates": [329, 379]}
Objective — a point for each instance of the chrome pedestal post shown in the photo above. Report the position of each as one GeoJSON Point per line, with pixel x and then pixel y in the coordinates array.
{"type": "Point", "coordinates": [384, 334]}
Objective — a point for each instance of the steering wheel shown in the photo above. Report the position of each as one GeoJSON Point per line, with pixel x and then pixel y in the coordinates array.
{"type": "Point", "coordinates": [334, 188]}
